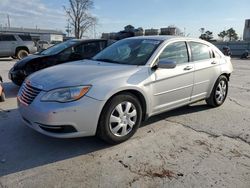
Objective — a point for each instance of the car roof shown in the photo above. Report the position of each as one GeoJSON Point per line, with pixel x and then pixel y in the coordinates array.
{"type": "Point", "coordinates": [157, 37]}
{"type": "Point", "coordinates": [167, 38]}
{"type": "Point", "coordinates": [87, 40]}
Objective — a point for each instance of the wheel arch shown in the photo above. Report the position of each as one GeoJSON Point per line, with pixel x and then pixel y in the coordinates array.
{"type": "Point", "coordinates": [22, 48]}
{"type": "Point", "coordinates": [138, 94]}
{"type": "Point", "coordinates": [227, 75]}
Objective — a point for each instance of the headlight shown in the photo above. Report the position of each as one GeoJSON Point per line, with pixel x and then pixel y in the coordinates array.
{"type": "Point", "coordinates": [66, 94]}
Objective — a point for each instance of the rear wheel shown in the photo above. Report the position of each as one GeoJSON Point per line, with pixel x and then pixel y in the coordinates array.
{"type": "Point", "coordinates": [120, 118]}
{"type": "Point", "coordinates": [22, 54]}
{"type": "Point", "coordinates": [219, 93]}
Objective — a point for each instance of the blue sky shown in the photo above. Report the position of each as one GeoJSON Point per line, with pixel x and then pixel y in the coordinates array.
{"type": "Point", "coordinates": [113, 15]}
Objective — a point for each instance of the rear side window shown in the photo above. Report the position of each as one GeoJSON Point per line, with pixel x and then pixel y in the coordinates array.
{"type": "Point", "coordinates": [200, 51]}
{"type": "Point", "coordinates": [25, 37]}
{"type": "Point", "coordinates": [216, 54]}
{"type": "Point", "coordinates": [176, 51]}
{"type": "Point", "coordinates": [91, 49]}
{"type": "Point", "coordinates": [7, 38]}
{"type": "Point", "coordinates": [103, 44]}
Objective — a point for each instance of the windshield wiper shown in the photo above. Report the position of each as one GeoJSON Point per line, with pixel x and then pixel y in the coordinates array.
{"type": "Point", "coordinates": [106, 60]}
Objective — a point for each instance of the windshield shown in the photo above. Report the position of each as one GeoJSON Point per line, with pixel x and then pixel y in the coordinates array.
{"type": "Point", "coordinates": [58, 48]}
{"type": "Point", "coordinates": [129, 51]}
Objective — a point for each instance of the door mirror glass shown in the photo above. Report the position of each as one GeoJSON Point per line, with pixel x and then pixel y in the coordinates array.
{"type": "Point", "coordinates": [166, 64]}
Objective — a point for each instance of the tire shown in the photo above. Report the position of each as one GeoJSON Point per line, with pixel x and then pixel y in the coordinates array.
{"type": "Point", "coordinates": [13, 57]}
{"type": "Point", "coordinates": [22, 54]}
{"type": "Point", "coordinates": [2, 97]}
{"type": "Point", "coordinates": [127, 115]}
{"type": "Point", "coordinates": [219, 92]}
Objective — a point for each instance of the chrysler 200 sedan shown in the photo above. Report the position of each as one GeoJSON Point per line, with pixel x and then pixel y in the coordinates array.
{"type": "Point", "coordinates": [123, 85]}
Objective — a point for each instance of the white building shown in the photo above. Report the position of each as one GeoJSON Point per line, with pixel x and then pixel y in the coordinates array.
{"type": "Point", "coordinates": [36, 34]}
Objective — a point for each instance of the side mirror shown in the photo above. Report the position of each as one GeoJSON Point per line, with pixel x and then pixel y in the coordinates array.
{"type": "Point", "coordinates": [166, 64]}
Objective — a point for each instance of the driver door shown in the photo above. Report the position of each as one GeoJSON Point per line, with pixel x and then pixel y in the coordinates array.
{"type": "Point", "coordinates": [173, 87]}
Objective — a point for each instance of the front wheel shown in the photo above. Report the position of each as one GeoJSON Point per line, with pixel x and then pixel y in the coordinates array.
{"type": "Point", "coordinates": [120, 118]}
{"type": "Point", "coordinates": [219, 93]}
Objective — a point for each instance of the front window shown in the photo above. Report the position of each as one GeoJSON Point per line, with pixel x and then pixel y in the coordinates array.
{"type": "Point", "coordinates": [58, 48]}
{"type": "Point", "coordinates": [176, 52]}
{"type": "Point", "coordinates": [129, 51]}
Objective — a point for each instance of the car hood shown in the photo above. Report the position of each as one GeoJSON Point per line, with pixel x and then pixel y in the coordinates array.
{"type": "Point", "coordinates": [77, 73]}
{"type": "Point", "coordinates": [27, 59]}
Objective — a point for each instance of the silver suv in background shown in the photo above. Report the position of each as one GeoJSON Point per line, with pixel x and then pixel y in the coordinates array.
{"type": "Point", "coordinates": [16, 46]}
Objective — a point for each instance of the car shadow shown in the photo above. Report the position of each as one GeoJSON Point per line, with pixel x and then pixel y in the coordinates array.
{"type": "Point", "coordinates": [7, 59]}
{"type": "Point", "coordinates": [189, 109]}
{"type": "Point", "coordinates": [22, 148]}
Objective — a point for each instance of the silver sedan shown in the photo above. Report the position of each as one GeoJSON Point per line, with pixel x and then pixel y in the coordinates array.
{"type": "Point", "coordinates": [123, 85]}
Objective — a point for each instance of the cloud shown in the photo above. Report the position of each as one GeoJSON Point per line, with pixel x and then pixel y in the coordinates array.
{"type": "Point", "coordinates": [32, 13]}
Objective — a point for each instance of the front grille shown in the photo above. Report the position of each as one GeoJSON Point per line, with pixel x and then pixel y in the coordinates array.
{"type": "Point", "coordinates": [28, 93]}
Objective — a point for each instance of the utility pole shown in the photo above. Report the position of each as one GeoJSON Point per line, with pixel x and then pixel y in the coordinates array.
{"type": "Point", "coordinates": [94, 30]}
{"type": "Point", "coordinates": [68, 28]}
{"type": "Point", "coordinates": [8, 18]}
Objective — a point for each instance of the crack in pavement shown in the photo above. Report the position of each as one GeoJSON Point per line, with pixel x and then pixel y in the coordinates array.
{"type": "Point", "coordinates": [214, 135]}
{"type": "Point", "coordinates": [237, 103]}
{"type": "Point", "coordinates": [1, 185]}
{"type": "Point", "coordinates": [196, 130]}
{"type": "Point", "coordinates": [241, 88]}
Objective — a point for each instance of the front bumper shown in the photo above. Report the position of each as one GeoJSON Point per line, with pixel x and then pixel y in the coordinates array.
{"type": "Point", "coordinates": [16, 76]}
{"type": "Point", "coordinates": [32, 49]}
{"type": "Point", "coordinates": [81, 115]}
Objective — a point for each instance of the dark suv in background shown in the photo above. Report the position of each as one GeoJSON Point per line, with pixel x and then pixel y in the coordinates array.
{"type": "Point", "coordinates": [16, 46]}
{"type": "Point", "coordinates": [71, 50]}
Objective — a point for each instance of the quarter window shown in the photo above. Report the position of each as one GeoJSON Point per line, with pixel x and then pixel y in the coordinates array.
{"type": "Point", "coordinates": [7, 38]}
{"type": "Point", "coordinates": [176, 52]}
{"type": "Point", "coordinates": [216, 54]}
{"type": "Point", "coordinates": [199, 51]}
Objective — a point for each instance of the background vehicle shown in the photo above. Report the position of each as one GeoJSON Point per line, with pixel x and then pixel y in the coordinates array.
{"type": "Point", "coordinates": [2, 94]}
{"type": "Point", "coordinates": [42, 45]}
{"type": "Point", "coordinates": [227, 51]}
{"type": "Point", "coordinates": [16, 46]}
{"type": "Point", "coordinates": [70, 50]}
{"type": "Point", "coordinates": [245, 55]}
{"type": "Point", "coordinates": [122, 85]}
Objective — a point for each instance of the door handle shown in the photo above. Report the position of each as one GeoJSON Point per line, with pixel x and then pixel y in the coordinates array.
{"type": "Point", "coordinates": [213, 63]}
{"type": "Point", "coordinates": [188, 68]}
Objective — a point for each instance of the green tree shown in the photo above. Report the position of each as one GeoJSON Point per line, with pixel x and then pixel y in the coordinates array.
{"type": "Point", "coordinates": [230, 34]}
{"type": "Point", "coordinates": [208, 36]}
{"type": "Point", "coordinates": [222, 34]}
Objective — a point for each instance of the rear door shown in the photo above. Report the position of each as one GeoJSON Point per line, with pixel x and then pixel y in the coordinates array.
{"type": "Point", "coordinates": [207, 69]}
